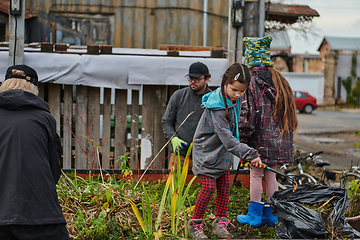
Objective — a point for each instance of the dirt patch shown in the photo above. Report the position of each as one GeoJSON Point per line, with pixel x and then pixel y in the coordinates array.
{"type": "Point", "coordinates": [335, 144]}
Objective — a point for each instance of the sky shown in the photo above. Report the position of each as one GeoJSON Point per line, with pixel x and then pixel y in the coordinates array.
{"type": "Point", "coordinates": [338, 18]}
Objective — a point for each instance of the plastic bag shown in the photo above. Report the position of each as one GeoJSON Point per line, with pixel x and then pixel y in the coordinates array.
{"type": "Point", "coordinates": [303, 223]}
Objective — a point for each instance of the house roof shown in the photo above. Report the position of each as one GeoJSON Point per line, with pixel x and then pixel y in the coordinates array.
{"type": "Point", "coordinates": [4, 8]}
{"type": "Point", "coordinates": [280, 39]}
{"type": "Point", "coordinates": [341, 43]}
{"type": "Point", "coordinates": [289, 14]}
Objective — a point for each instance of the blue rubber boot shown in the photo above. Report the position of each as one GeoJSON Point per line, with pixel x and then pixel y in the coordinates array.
{"type": "Point", "coordinates": [253, 217]}
{"type": "Point", "coordinates": [268, 218]}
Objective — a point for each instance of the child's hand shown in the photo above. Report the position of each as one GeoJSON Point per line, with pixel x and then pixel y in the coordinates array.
{"type": "Point", "coordinates": [256, 162]}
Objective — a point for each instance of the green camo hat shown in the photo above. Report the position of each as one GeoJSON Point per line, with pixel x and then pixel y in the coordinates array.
{"type": "Point", "coordinates": [257, 51]}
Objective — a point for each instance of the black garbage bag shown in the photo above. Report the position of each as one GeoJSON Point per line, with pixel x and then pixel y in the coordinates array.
{"type": "Point", "coordinates": [300, 222]}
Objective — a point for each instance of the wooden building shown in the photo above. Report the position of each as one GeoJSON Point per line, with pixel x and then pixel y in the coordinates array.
{"type": "Point", "coordinates": [104, 30]}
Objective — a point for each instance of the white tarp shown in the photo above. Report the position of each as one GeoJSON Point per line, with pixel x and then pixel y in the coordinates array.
{"type": "Point", "coordinates": [171, 70]}
{"type": "Point", "coordinates": [113, 70]}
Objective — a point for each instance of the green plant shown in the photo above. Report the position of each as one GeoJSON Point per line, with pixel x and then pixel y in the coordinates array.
{"type": "Point", "coordinates": [146, 220]}
{"type": "Point", "coordinates": [97, 226]}
{"type": "Point", "coordinates": [353, 191]}
{"type": "Point", "coordinates": [358, 143]}
{"type": "Point", "coordinates": [352, 90]}
{"type": "Point", "coordinates": [177, 196]}
{"type": "Point", "coordinates": [124, 161]}
{"type": "Point", "coordinates": [93, 196]}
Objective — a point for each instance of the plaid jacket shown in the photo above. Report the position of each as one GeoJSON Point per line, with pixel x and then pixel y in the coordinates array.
{"type": "Point", "coordinates": [262, 131]}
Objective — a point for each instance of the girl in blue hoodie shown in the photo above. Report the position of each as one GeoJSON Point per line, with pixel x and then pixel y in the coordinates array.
{"type": "Point", "coordinates": [216, 139]}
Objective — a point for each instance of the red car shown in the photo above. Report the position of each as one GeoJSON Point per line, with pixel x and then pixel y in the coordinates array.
{"type": "Point", "coordinates": [304, 102]}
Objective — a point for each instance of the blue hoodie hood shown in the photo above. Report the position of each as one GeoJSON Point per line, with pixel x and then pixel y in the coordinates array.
{"type": "Point", "coordinates": [214, 100]}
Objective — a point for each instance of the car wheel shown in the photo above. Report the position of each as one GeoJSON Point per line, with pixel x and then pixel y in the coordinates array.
{"type": "Point", "coordinates": [308, 108]}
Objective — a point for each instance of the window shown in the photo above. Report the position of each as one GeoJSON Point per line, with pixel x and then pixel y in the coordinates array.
{"type": "Point", "coordinates": [300, 95]}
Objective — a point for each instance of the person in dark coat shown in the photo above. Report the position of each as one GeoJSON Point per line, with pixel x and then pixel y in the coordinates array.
{"type": "Point", "coordinates": [183, 102]}
{"type": "Point", "coordinates": [267, 123]}
{"type": "Point", "coordinates": [30, 152]}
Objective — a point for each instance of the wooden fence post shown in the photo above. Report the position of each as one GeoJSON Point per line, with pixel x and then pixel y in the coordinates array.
{"type": "Point", "coordinates": [120, 125]}
{"type": "Point", "coordinates": [67, 136]}
{"type": "Point", "coordinates": [81, 161]}
{"type": "Point", "coordinates": [159, 136]}
{"type": "Point", "coordinates": [54, 103]}
{"type": "Point", "coordinates": [147, 130]}
{"type": "Point", "coordinates": [134, 142]}
{"type": "Point", "coordinates": [106, 133]}
{"type": "Point", "coordinates": [93, 115]}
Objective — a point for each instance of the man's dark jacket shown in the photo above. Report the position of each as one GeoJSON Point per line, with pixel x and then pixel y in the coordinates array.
{"type": "Point", "coordinates": [30, 152]}
{"type": "Point", "coordinates": [181, 103]}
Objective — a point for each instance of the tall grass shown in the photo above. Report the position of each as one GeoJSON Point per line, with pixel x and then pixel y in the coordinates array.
{"type": "Point", "coordinates": [173, 201]}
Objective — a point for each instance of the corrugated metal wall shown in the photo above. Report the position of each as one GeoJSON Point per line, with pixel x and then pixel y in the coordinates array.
{"type": "Point", "coordinates": [132, 23]}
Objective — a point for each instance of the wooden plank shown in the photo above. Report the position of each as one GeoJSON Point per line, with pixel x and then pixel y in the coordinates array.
{"type": "Point", "coordinates": [105, 142]}
{"type": "Point", "coordinates": [147, 124]}
{"type": "Point", "coordinates": [196, 24]}
{"type": "Point", "coordinates": [170, 47]}
{"type": "Point", "coordinates": [81, 161]}
{"type": "Point", "coordinates": [139, 16]}
{"type": "Point", "coordinates": [149, 25]}
{"type": "Point", "coordinates": [214, 27]}
{"type": "Point", "coordinates": [160, 24]}
{"type": "Point", "coordinates": [171, 22]}
{"type": "Point", "coordinates": [94, 126]}
{"type": "Point", "coordinates": [118, 35]}
{"type": "Point", "coordinates": [182, 23]}
{"type": "Point", "coordinates": [159, 136]}
{"type": "Point", "coordinates": [120, 125]}
{"type": "Point", "coordinates": [129, 22]}
{"type": "Point", "coordinates": [67, 136]}
{"type": "Point", "coordinates": [134, 141]}
{"type": "Point", "coordinates": [54, 103]}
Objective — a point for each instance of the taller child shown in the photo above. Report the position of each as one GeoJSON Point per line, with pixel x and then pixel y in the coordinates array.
{"type": "Point", "coordinates": [267, 123]}
{"type": "Point", "coordinates": [215, 140]}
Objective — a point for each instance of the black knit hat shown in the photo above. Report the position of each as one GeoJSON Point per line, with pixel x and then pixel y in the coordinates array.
{"type": "Point", "coordinates": [197, 70]}
{"type": "Point", "coordinates": [22, 72]}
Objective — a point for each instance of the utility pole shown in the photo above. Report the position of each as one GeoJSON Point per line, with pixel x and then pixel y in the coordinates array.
{"type": "Point", "coordinates": [261, 17]}
{"type": "Point", "coordinates": [235, 31]}
{"type": "Point", "coordinates": [16, 32]}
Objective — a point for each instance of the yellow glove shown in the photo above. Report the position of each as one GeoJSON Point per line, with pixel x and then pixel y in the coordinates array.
{"type": "Point", "coordinates": [177, 144]}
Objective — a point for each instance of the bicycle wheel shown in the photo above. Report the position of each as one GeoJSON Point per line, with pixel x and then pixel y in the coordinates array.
{"type": "Point", "coordinates": [348, 178]}
{"type": "Point", "coordinates": [304, 178]}
{"type": "Point", "coordinates": [284, 183]}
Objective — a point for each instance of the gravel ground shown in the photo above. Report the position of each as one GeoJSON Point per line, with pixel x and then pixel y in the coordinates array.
{"type": "Point", "coordinates": [333, 132]}
{"type": "Point", "coordinates": [338, 148]}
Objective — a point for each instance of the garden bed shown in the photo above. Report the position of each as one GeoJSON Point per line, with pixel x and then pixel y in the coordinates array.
{"type": "Point", "coordinates": [155, 175]}
{"type": "Point", "coordinates": [95, 208]}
